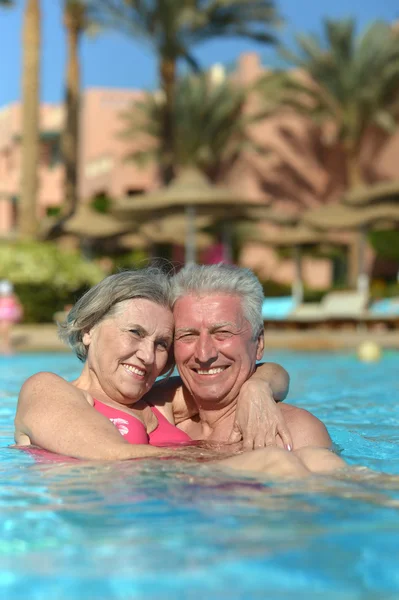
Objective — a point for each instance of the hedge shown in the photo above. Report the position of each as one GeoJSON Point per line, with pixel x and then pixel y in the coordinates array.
{"type": "Point", "coordinates": [45, 277]}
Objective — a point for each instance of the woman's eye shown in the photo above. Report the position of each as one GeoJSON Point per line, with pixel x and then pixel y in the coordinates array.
{"type": "Point", "coordinates": [163, 345]}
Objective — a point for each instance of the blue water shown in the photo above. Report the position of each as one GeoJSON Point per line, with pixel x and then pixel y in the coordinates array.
{"type": "Point", "coordinates": [155, 530]}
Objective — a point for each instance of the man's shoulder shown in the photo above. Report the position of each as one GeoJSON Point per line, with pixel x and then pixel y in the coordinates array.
{"type": "Point", "coordinates": [306, 429]}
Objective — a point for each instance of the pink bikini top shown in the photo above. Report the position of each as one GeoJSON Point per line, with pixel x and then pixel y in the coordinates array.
{"type": "Point", "coordinates": [134, 431]}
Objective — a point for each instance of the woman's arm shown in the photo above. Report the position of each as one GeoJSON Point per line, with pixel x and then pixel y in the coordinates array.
{"type": "Point", "coordinates": [275, 377]}
{"type": "Point", "coordinates": [57, 416]}
{"type": "Point", "coordinates": [259, 420]}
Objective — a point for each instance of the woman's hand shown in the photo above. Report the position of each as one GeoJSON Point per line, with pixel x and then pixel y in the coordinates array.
{"type": "Point", "coordinates": [259, 419]}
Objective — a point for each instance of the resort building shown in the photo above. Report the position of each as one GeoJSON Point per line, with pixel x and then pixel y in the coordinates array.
{"type": "Point", "coordinates": [296, 173]}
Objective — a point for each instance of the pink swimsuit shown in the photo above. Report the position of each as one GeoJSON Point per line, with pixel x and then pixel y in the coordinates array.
{"type": "Point", "coordinates": [134, 431]}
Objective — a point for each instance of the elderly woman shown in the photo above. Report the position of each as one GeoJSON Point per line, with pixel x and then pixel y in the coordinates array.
{"type": "Point", "coordinates": [122, 329]}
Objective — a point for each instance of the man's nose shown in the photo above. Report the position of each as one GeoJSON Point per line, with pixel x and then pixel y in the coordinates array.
{"type": "Point", "coordinates": [205, 349]}
{"type": "Point", "coordinates": [146, 352]}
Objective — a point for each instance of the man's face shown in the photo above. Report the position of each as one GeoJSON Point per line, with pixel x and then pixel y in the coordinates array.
{"type": "Point", "coordinates": [215, 350]}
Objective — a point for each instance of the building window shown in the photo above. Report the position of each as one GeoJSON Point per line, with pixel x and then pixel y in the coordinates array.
{"type": "Point", "coordinates": [50, 153]}
{"type": "Point", "coordinates": [134, 191]}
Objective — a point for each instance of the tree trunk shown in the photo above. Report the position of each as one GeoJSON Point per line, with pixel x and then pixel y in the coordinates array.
{"type": "Point", "coordinates": [27, 210]}
{"type": "Point", "coordinates": [70, 138]}
{"type": "Point", "coordinates": [168, 85]}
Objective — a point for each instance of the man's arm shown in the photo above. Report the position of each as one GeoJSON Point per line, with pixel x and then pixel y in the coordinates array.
{"type": "Point", "coordinates": [56, 416]}
{"type": "Point", "coordinates": [305, 428]}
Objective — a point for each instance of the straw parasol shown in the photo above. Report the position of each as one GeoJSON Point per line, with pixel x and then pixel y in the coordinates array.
{"type": "Point", "coordinates": [193, 195]}
{"type": "Point", "coordinates": [85, 223]}
{"type": "Point", "coordinates": [296, 237]}
{"type": "Point", "coordinates": [360, 218]}
{"type": "Point", "coordinates": [88, 223]}
{"type": "Point", "coordinates": [173, 229]}
{"type": "Point", "coordinates": [378, 192]}
{"type": "Point", "coordinates": [341, 216]}
{"type": "Point", "coordinates": [169, 229]}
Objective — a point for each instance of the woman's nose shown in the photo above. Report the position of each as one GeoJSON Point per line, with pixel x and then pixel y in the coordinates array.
{"type": "Point", "coordinates": [146, 352]}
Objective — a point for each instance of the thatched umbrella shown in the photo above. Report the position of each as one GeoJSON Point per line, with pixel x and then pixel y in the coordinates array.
{"type": "Point", "coordinates": [376, 193]}
{"type": "Point", "coordinates": [341, 216]}
{"type": "Point", "coordinates": [361, 218]}
{"type": "Point", "coordinates": [89, 223]}
{"type": "Point", "coordinates": [296, 237]}
{"type": "Point", "coordinates": [192, 194]}
{"type": "Point", "coordinates": [86, 223]}
{"type": "Point", "coordinates": [173, 229]}
{"type": "Point", "coordinates": [169, 229]}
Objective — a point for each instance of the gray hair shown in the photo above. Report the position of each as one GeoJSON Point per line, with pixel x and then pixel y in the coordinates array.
{"type": "Point", "coordinates": [102, 301]}
{"type": "Point", "coordinates": [223, 279]}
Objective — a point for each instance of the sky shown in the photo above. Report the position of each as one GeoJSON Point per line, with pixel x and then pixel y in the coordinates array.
{"type": "Point", "coordinates": [110, 59]}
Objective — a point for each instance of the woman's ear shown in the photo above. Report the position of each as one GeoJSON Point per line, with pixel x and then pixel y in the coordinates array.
{"type": "Point", "coordinates": [86, 338]}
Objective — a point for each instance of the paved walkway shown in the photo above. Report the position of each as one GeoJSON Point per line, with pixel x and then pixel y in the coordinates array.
{"type": "Point", "coordinates": [44, 338]}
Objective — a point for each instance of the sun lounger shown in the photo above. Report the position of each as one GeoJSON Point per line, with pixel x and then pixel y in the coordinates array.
{"type": "Point", "coordinates": [335, 308]}
{"type": "Point", "coordinates": [277, 309]}
{"type": "Point", "coordinates": [384, 312]}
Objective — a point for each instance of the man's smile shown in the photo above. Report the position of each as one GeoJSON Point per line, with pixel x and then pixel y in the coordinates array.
{"type": "Point", "coordinates": [211, 371]}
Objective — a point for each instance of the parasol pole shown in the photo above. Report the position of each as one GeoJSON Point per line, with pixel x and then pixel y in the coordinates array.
{"type": "Point", "coordinates": [190, 251]}
{"type": "Point", "coordinates": [297, 284]}
{"type": "Point", "coordinates": [362, 278]}
{"type": "Point", "coordinates": [227, 242]}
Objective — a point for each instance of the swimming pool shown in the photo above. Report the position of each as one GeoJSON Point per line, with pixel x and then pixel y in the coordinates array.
{"type": "Point", "coordinates": [154, 530]}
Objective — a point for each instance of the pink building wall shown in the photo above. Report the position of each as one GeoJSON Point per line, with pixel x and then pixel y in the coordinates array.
{"type": "Point", "coordinates": [102, 164]}
{"type": "Point", "coordinates": [292, 175]}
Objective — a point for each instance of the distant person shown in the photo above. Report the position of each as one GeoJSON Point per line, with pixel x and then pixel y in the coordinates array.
{"type": "Point", "coordinates": [10, 313]}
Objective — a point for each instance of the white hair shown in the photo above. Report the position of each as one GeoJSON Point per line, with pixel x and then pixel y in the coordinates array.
{"type": "Point", "coordinates": [223, 279]}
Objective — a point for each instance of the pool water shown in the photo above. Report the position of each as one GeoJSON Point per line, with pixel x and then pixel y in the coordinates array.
{"type": "Point", "coordinates": [163, 529]}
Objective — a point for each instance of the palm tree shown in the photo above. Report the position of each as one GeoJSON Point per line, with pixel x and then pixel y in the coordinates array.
{"type": "Point", "coordinates": [348, 86]}
{"type": "Point", "coordinates": [209, 120]}
{"type": "Point", "coordinates": [75, 22]}
{"type": "Point", "coordinates": [174, 27]}
{"type": "Point", "coordinates": [27, 225]}
{"type": "Point", "coordinates": [345, 82]}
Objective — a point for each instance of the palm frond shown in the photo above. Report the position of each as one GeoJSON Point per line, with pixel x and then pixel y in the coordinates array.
{"type": "Point", "coordinates": [210, 124]}
{"type": "Point", "coordinates": [350, 80]}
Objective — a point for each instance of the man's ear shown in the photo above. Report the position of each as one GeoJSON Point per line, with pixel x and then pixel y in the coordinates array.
{"type": "Point", "coordinates": [260, 345]}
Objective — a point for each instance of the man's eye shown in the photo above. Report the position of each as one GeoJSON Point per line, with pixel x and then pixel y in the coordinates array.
{"type": "Point", "coordinates": [135, 332]}
{"type": "Point", "coordinates": [185, 337]}
{"type": "Point", "coordinates": [223, 334]}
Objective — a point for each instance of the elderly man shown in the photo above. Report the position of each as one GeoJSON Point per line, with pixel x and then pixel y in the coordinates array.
{"type": "Point", "coordinates": [219, 336]}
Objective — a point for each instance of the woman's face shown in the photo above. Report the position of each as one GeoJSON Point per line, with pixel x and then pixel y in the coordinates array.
{"type": "Point", "coordinates": [128, 351]}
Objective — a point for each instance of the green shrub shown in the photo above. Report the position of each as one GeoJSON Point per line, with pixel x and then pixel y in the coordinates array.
{"type": "Point", "coordinates": [45, 277]}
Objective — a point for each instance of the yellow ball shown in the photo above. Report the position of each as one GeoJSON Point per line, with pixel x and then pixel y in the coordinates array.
{"type": "Point", "coordinates": [369, 351]}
